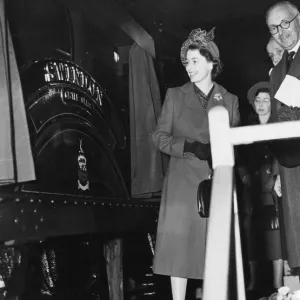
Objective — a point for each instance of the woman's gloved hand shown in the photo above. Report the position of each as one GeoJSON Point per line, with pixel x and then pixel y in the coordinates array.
{"type": "Point", "coordinates": [200, 150]}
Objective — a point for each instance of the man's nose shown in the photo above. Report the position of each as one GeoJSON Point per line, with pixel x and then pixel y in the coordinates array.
{"type": "Point", "coordinates": [279, 30]}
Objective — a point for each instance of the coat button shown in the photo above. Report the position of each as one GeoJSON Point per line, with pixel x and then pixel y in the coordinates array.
{"type": "Point", "coordinates": [268, 171]}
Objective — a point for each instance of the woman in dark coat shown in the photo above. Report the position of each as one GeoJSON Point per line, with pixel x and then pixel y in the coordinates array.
{"type": "Point", "coordinates": [264, 238]}
{"type": "Point", "coordinates": [182, 132]}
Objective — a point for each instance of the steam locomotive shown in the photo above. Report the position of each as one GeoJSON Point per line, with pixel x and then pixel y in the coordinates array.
{"type": "Point", "coordinates": [64, 235]}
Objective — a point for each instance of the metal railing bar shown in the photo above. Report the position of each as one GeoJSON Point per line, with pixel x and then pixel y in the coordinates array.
{"type": "Point", "coordinates": [222, 139]}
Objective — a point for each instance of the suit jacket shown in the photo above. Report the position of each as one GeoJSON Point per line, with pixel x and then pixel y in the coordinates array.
{"type": "Point", "coordinates": [287, 151]}
{"type": "Point", "coordinates": [288, 155]}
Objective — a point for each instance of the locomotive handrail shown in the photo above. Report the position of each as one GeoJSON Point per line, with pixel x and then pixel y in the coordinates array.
{"type": "Point", "coordinates": [222, 139]}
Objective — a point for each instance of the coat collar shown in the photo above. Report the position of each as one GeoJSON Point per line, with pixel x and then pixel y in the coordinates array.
{"type": "Point", "coordinates": [216, 98]}
{"type": "Point", "coordinates": [294, 69]}
{"type": "Point", "coordinates": [279, 75]}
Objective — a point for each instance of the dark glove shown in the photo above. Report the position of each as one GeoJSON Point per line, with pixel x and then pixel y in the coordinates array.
{"type": "Point", "coordinates": [201, 151]}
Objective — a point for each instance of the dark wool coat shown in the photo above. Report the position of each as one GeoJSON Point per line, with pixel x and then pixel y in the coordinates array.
{"type": "Point", "coordinates": [181, 233]}
{"type": "Point", "coordinates": [290, 177]}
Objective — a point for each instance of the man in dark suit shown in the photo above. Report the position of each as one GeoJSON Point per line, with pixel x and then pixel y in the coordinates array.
{"type": "Point", "coordinates": [283, 21]}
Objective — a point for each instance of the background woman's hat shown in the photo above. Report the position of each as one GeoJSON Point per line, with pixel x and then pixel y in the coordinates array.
{"type": "Point", "coordinates": [253, 90]}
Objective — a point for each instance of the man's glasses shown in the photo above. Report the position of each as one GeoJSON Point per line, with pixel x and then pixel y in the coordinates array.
{"type": "Point", "coordinates": [284, 25]}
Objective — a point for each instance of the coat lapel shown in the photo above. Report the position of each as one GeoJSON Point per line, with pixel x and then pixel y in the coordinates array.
{"type": "Point", "coordinates": [217, 97]}
{"type": "Point", "coordinates": [294, 69]}
{"type": "Point", "coordinates": [279, 73]}
{"type": "Point", "coordinates": [191, 98]}
{"type": "Point", "coordinates": [277, 76]}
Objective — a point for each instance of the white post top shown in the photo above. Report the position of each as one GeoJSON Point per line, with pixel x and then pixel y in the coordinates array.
{"type": "Point", "coordinates": [221, 147]}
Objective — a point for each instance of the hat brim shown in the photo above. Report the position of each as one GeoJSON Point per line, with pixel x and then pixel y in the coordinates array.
{"type": "Point", "coordinates": [253, 90]}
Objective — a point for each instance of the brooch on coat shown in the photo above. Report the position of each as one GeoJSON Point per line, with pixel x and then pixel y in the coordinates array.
{"type": "Point", "coordinates": [218, 97]}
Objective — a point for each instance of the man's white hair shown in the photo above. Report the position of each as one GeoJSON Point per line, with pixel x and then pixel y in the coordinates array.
{"type": "Point", "coordinates": [287, 4]}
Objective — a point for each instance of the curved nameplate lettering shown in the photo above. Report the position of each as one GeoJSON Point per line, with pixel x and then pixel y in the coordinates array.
{"type": "Point", "coordinates": [74, 84]}
{"type": "Point", "coordinates": [58, 100]}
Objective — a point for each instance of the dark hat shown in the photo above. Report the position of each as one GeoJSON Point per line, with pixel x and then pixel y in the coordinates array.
{"type": "Point", "coordinates": [253, 90]}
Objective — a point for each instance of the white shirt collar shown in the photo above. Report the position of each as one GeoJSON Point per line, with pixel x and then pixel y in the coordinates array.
{"type": "Point", "coordinates": [295, 48]}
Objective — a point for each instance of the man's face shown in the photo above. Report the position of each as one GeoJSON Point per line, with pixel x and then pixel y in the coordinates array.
{"type": "Point", "coordinates": [275, 51]}
{"type": "Point", "coordinates": [289, 37]}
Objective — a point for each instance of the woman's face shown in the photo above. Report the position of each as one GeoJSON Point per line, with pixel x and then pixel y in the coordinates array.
{"type": "Point", "coordinates": [262, 104]}
{"type": "Point", "coordinates": [197, 66]}
{"type": "Point", "coordinates": [275, 52]}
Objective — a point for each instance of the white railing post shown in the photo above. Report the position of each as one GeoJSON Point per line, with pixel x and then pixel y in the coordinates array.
{"type": "Point", "coordinates": [221, 147]}
{"type": "Point", "coordinates": [219, 224]}
{"type": "Point", "coordinates": [222, 139]}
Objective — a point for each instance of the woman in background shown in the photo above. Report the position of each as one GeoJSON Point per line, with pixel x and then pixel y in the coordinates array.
{"type": "Point", "coordinates": [264, 241]}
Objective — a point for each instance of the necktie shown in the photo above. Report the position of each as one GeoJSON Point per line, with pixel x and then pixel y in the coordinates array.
{"type": "Point", "coordinates": [290, 58]}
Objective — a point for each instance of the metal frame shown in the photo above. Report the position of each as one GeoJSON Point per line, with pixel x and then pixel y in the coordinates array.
{"type": "Point", "coordinates": [223, 138]}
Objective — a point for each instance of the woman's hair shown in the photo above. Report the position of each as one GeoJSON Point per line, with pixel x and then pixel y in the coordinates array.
{"type": "Point", "coordinates": [262, 90]}
{"type": "Point", "coordinates": [217, 64]}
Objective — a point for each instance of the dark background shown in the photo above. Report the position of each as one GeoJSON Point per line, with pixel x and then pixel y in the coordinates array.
{"type": "Point", "coordinates": [40, 29]}
{"type": "Point", "coordinates": [241, 35]}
